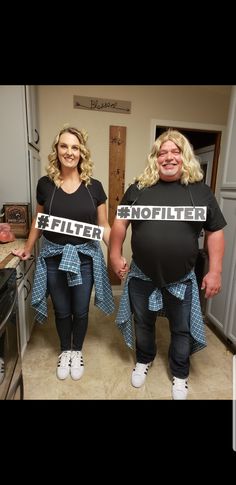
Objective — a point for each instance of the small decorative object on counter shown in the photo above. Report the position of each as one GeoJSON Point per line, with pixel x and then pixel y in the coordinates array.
{"type": "Point", "coordinates": [18, 215]}
{"type": "Point", "coordinates": [6, 234]}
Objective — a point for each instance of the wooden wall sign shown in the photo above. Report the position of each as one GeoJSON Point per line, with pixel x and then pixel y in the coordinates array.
{"type": "Point", "coordinates": [101, 104]}
{"type": "Point", "coordinates": [117, 148]}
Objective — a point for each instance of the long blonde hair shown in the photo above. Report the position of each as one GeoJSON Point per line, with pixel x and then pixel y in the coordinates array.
{"type": "Point", "coordinates": [191, 169]}
{"type": "Point", "coordinates": [85, 164]}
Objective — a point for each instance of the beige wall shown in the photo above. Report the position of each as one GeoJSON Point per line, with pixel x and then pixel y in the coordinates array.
{"type": "Point", "coordinates": [205, 105]}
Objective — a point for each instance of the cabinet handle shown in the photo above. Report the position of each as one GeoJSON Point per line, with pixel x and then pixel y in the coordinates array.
{"type": "Point", "coordinates": [30, 286]}
{"type": "Point", "coordinates": [37, 133]}
{"type": "Point", "coordinates": [27, 292]}
{"type": "Point", "coordinates": [18, 278]}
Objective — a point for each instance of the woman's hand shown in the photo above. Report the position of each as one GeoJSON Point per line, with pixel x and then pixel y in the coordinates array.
{"type": "Point", "coordinates": [22, 253]}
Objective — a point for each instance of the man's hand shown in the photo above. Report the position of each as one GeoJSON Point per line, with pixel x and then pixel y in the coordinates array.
{"type": "Point", "coordinates": [211, 283]}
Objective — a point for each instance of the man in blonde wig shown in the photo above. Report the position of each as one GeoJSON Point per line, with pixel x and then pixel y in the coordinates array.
{"type": "Point", "coordinates": [167, 206]}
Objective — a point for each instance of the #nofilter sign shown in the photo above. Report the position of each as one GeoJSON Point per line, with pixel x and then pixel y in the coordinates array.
{"type": "Point", "coordinates": [162, 213]}
{"type": "Point", "coordinates": [68, 226]}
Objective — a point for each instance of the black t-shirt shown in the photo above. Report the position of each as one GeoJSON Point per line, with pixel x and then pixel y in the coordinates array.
{"type": "Point", "coordinates": [166, 250]}
{"type": "Point", "coordinates": [80, 206]}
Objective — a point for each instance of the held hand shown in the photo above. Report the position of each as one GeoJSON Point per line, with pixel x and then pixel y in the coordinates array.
{"type": "Point", "coordinates": [22, 253]}
{"type": "Point", "coordinates": [124, 269]}
{"type": "Point", "coordinates": [119, 266]}
{"type": "Point", "coordinates": [212, 284]}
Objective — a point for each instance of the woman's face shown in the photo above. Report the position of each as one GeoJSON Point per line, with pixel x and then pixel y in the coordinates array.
{"type": "Point", "coordinates": [170, 161]}
{"type": "Point", "coordinates": [68, 150]}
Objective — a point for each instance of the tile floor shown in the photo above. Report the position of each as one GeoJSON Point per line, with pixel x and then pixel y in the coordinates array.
{"type": "Point", "coordinates": [109, 362]}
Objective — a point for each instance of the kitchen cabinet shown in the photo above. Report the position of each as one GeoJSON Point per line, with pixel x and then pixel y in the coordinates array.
{"type": "Point", "coordinates": [34, 174]}
{"type": "Point", "coordinates": [25, 274]}
{"type": "Point", "coordinates": [229, 173]}
{"type": "Point", "coordinates": [31, 97]}
{"type": "Point", "coordinates": [20, 160]}
{"type": "Point", "coordinates": [221, 309]}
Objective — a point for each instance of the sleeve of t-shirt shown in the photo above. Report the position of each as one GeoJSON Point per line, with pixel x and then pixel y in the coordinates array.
{"type": "Point", "coordinates": [130, 195]}
{"type": "Point", "coordinates": [40, 191]}
{"type": "Point", "coordinates": [215, 219]}
{"type": "Point", "coordinates": [44, 189]}
{"type": "Point", "coordinates": [97, 192]}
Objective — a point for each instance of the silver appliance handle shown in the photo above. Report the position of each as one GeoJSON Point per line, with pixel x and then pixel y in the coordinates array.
{"type": "Point", "coordinates": [9, 313]}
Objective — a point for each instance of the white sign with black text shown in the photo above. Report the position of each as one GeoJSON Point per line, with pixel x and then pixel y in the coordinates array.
{"type": "Point", "coordinates": [161, 213]}
{"type": "Point", "coordinates": [68, 226]}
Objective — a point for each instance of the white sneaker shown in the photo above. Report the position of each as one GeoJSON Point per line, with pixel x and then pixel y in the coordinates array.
{"type": "Point", "coordinates": [179, 388]}
{"type": "Point", "coordinates": [77, 365]}
{"type": "Point", "coordinates": [63, 365]}
{"type": "Point", "coordinates": [139, 374]}
{"type": "Point", "coordinates": [2, 370]}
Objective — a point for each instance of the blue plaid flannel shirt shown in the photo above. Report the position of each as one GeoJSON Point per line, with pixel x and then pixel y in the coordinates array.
{"type": "Point", "coordinates": [70, 262]}
{"type": "Point", "coordinates": [124, 315]}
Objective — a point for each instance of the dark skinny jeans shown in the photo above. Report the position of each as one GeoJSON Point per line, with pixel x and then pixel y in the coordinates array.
{"type": "Point", "coordinates": [70, 303]}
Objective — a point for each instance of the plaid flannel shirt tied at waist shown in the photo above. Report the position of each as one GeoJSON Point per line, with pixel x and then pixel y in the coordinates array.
{"type": "Point", "coordinates": [70, 262]}
{"type": "Point", "coordinates": [124, 315]}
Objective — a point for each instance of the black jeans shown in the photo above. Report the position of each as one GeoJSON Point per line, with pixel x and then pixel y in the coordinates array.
{"type": "Point", "coordinates": [71, 303]}
{"type": "Point", "coordinates": [178, 314]}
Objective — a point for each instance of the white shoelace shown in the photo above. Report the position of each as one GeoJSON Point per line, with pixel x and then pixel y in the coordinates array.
{"type": "Point", "coordinates": [76, 359]}
{"type": "Point", "coordinates": [64, 359]}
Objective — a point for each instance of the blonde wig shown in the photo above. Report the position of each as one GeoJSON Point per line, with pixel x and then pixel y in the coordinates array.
{"type": "Point", "coordinates": [191, 169]}
{"type": "Point", "coordinates": [85, 164]}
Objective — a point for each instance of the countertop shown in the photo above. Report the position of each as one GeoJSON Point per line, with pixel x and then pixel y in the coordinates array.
{"type": "Point", "coordinates": [7, 259]}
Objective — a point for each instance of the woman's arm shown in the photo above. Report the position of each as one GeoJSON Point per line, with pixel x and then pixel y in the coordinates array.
{"type": "Point", "coordinates": [117, 237]}
{"type": "Point", "coordinates": [25, 253]}
{"type": "Point", "coordinates": [102, 221]}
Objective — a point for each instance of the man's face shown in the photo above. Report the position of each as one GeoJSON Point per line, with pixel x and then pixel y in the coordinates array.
{"type": "Point", "coordinates": [170, 161]}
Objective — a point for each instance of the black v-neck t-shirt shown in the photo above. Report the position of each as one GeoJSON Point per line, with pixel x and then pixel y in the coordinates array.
{"type": "Point", "coordinates": [79, 206]}
{"type": "Point", "coordinates": [166, 250]}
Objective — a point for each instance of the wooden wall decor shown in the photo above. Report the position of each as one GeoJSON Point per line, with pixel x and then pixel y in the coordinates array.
{"type": "Point", "coordinates": [101, 104]}
{"type": "Point", "coordinates": [117, 148]}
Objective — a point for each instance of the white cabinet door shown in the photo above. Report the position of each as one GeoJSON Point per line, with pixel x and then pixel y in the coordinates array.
{"type": "Point", "coordinates": [35, 174]}
{"type": "Point", "coordinates": [17, 183]}
{"type": "Point", "coordinates": [31, 94]}
{"type": "Point", "coordinates": [14, 180]}
{"type": "Point", "coordinates": [229, 174]}
{"type": "Point", "coordinates": [220, 309]}
{"type": "Point", "coordinates": [231, 327]}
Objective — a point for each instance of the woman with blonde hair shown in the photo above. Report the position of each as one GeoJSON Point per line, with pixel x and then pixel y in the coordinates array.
{"type": "Point", "coordinates": [71, 259]}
